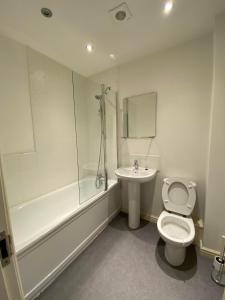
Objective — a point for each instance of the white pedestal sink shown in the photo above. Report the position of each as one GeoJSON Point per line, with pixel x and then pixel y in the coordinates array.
{"type": "Point", "coordinates": [134, 177]}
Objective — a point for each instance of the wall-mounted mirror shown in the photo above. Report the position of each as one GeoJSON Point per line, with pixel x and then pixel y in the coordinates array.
{"type": "Point", "coordinates": [139, 116]}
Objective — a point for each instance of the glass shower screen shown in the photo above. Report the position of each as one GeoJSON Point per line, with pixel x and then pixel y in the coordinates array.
{"type": "Point", "coordinates": [95, 112]}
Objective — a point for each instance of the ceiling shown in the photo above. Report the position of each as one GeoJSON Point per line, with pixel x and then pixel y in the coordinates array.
{"type": "Point", "coordinates": [78, 22]}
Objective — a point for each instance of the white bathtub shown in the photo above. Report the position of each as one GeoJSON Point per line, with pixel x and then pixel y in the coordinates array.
{"type": "Point", "coordinates": [35, 218]}
{"type": "Point", "coordinates": [32, 220]}
{"type": "Point", "coordinates": [56, 216]}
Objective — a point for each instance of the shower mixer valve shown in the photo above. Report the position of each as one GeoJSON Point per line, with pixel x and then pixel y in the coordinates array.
{"type": "Point", "coordinates": [99, 180]}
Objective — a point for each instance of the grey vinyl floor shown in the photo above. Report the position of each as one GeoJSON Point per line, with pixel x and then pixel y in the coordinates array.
{"type": "Point", "coordinates": [123, 264]}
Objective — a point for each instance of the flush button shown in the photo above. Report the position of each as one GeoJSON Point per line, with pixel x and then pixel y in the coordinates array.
{"type": "Point", "coordinates": [191, 185]}
{"type": "Point", "coordinates": [165, 180]}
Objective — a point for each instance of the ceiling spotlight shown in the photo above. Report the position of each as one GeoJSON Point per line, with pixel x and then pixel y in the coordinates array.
{"type": "Point", "coordinates": [168, 7]}
{"type": "Point", "coordinates": [112, 56]}
{"type": "Point", "coordinates": [89, 48]}
{"type": "Point", "coordinates": [46, 12]}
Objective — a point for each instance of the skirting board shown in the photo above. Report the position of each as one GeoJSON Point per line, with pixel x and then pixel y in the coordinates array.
{"type": "Point", "coordinates": [199, 233]}
{"type": "Point", "coordinates": [207, 251]}
{"type": "Point", "coordinates": [33, 294]}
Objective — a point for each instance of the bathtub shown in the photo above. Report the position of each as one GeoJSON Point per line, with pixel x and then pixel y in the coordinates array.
{"type": "Point", "coordinates": [52, 230]}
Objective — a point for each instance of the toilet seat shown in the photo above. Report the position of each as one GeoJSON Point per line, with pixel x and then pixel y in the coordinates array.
{"type": "Point", "coordinates": [176, 230]}
{"type": "Point", "coordinates": [174, 227]}
{"type": "Point", "coordinates": [179, 195]}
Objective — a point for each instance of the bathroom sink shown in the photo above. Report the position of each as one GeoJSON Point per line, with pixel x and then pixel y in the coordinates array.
{"type": "Point", "coordinates": [131, 174]}
{"type": "Point", "coordinates": [135, 176]}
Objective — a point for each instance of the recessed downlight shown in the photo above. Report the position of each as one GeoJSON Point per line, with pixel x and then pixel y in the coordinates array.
{"type": "Point", "coordinates": [168, 7]}
{"type": "Point", "coordinates": [89, 47]}
{"type": "Point", "coordinates": [112, 56]}
{"type": "Point", "coordinates": [46, 12]}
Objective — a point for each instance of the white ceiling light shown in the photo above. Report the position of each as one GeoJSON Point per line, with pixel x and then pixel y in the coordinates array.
{"type": "Point", "coordinates": [168, 7]}
{"type": "Point", "coordinates": [89, 47]}
{"type": "Point", "coordinates": [112, 56]}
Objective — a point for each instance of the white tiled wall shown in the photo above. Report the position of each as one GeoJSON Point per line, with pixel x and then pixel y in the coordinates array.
{"type": "Point", "coordinates": [15, 112]}
{"type": "Point", "coordinates": [37, 127]}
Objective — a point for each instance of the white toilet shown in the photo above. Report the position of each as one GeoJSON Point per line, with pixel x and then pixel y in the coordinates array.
{"type": "Point", "coordinates": [174, 225]}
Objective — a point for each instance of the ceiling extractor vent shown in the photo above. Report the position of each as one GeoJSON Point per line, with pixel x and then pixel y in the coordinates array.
{"type": "Point", "coordinates": [121, 12]}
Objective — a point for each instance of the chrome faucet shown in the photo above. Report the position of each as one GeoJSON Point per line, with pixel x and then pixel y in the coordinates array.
{"type": "Point", "coordinates": [136, 166]}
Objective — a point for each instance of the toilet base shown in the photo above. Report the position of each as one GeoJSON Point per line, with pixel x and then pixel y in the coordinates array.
{"type": "Point", "coordinates": [175, 255]}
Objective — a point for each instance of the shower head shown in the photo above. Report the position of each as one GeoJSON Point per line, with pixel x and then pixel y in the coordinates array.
{"type": "Point", "coordinates": [98, 97]}
{"type": "Point", "coordinates": [105, 92]}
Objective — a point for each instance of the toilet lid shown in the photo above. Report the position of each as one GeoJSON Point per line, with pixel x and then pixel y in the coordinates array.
{"type": "Point", "coordinates": [179, 195]}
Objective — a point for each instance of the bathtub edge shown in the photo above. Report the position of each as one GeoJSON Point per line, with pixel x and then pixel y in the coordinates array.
{"type": "Point", "coordinates": [48, 280]}
{"type": "Point", "coordinates": [76, 214]}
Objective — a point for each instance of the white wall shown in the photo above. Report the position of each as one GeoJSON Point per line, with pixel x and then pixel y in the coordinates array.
{"type": "Point", "coordinates": [16, 136]}
{"type": "Point", "coordinates": [215, 200]}
{"type": "Point", "coordinates": [182, 78]}
{"type": "Point", "coordinates": [37, 123]}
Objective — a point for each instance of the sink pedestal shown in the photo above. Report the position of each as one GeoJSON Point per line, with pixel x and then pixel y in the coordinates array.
{"type": "Point", "coordinates": [134, 177]}
{"type": "Point", "coordinates": [134, 204]}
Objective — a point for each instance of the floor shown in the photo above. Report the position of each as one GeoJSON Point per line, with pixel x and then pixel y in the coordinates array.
{"type": "Point", "coordinates": [129, 264]}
